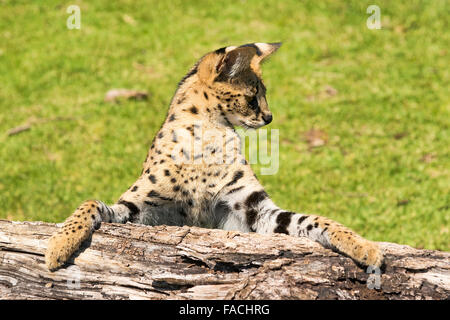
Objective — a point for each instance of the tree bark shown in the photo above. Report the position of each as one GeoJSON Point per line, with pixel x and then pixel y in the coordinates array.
{"type": "Point", "coordinates": [164, 262]}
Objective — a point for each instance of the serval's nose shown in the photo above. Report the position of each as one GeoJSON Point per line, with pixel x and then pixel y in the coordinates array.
{"type": "Point", "coordinates": [267, 118]}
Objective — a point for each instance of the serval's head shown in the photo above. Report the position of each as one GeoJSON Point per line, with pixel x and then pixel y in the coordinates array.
{"type": "Point", "coordinates": [229, 82]}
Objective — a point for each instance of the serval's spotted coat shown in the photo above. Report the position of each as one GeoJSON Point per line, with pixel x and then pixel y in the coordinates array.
{"type": "Point", "coordinates": [181, 187]}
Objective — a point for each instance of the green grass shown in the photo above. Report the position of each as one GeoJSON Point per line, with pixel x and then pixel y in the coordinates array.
{"type": "Point", "coordinates": [391, 109]}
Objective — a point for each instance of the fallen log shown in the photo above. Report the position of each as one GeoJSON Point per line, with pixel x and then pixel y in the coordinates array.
{"type": "Point", "coordinates": [140, 262]}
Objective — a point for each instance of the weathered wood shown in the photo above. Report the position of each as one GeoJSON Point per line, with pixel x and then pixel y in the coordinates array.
{"type": "Point", "coordinates": [140, 262]}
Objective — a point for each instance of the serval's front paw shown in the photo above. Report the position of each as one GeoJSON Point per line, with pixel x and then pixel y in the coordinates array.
{"type": "Point", "coordinates": [63, 244]}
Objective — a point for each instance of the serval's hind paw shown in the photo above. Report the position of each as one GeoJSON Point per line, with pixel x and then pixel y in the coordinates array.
{"type": "Point", "coordinates": [367, 253]}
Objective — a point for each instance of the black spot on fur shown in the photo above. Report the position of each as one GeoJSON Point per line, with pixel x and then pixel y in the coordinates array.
{"type": "Point", "coordinates": [193, 110]}
{"type": "Point", "coordinates": [181, 99]}
{"type": "Point", "coordinates": [283, 220]}
{"type": "Point", "coordinates": [251, 203]}
{"type": "Point", "coordinates": [191, 129]}
{"type": "Point", "coordinates": [160, 135]}
{"type": "Point", "coordinates": [301, 219]}
{"type": "Point", "coordinates": [152, 178]}
{"type": "Point", "coordinates": [206, 95]}
{"type": "Point", "coordinates": [155, 194]}
{"type": "Point", "coordinates": [237, 175]}
{"type": "Point", "coordinates": [235, 189]}
{"type": "Point", "coordinates": [251, 215]}
{"type": "Point", "coordinates": [132, 190]}
{"type": "Point", "coordinates": [134, 210]}
{"type": "Point", "coordinates": [255, 198]}
{"type": "Point", "coordinates": [166, 172]}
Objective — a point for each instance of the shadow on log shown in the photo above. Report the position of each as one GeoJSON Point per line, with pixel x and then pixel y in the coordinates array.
{"type": "Point", "coordinates": [141, 262]}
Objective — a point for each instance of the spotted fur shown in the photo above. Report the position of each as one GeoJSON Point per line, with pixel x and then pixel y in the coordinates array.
{"type": "Point", "coordinates": [182, 185]}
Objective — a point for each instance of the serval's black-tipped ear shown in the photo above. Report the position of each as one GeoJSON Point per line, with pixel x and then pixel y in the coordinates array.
{"type": "Point", "coordinates": [231, 62]}
{"type": "Point", "coordinates": [234, 61]}
{"type": "Point", "coordinates": [265, 50]}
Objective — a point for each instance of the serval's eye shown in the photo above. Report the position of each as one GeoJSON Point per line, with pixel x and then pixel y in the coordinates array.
{"type": "Point", "coordinates": [253, 103]}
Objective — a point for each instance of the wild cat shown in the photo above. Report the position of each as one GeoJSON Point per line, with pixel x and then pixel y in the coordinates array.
{"type": "Point", "coordinates": [184, 185]}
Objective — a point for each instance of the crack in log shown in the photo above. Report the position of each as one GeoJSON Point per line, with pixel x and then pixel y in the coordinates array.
{"type": "Point", "coordinates": [9, 249]}
{"type": "Point", "coordinates": [232, 267]}
{"type": "Point", "coordinates": [163, 285]}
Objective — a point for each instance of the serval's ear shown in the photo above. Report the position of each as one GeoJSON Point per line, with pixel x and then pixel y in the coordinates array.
{"type": "Point", "coordinates": [225, 64]}
{"type": "Point", "coordinates": [234, 62]}
{"type": "Point", "coordinates": [264, 50]}
{"type": "Point", "coordinates": [231, 62]}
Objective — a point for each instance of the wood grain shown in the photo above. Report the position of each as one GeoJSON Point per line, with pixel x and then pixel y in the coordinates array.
{"type": "Point", "coordinates": [141, 262]}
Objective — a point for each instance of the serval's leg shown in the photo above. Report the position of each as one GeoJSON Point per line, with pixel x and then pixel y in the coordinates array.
{"type": "Point", "coordinates": [79, 226]}
{"type": "Point", "coordinates": [250, 209]}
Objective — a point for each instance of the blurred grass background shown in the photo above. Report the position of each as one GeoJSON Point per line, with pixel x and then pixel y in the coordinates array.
{"type": "Point", "coordinates": [378, 101]}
